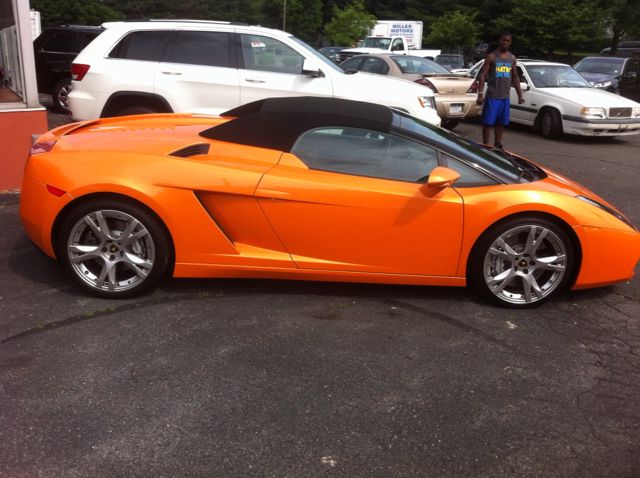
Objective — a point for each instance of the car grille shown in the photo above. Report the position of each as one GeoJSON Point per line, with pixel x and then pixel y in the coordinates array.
{"type": "Point", "coordinates": [619, 112]}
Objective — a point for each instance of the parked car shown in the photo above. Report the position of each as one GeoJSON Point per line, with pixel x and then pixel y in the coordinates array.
{"type": "Point", "coordinates": [450, 62]}
{"type": "Point", "coordinates": [625, 48]}
{"type": "Point", "coordinates": [617, 75]}
{"type": "Point", "coordinates": [54, 51]}
{"type": "Point", "coordinates": [332, 52]}
{"type": "Point", "coordinates": [313, 189]}
{"type": "Point", "coordinates": [209, 67]}
{"type": "Point", "coordinates": [455, 99]}
{"type": "Point", "coordinates": [559, 100]}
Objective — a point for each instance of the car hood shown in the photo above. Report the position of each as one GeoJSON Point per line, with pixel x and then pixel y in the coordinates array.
{"type": "Point", "coordinates": [597, 77]}
{"type": "Point", "coordinates": [590, 97]}
{"type": "Point", "coordinates": [363, 50]}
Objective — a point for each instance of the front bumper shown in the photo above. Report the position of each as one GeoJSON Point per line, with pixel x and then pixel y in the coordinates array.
{"type": "Point", "coordinates": [600, 127]}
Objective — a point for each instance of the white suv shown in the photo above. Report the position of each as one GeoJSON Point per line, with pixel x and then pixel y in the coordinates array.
{"type": "Point", "coordinates": [210, 67]}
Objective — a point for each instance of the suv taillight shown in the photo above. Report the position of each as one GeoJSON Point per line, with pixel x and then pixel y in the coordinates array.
{"type": "Point", "coordinates": [427, 83]}
{"type": "Point", "coordinates": [78, 70]}
{"type": "Point", "coordinates": [474, 87]}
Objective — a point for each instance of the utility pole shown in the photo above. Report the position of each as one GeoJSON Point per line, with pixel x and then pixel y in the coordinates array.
{"type": "Point", "coordinates": [284, 16]}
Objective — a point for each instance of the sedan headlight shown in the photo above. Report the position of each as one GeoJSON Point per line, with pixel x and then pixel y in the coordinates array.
{"type": "Point", "coordinates": [427, 102]}
{"type": "Point", "coordinates": [593, 113]}
{"type": "Point", "coordinates": [635, 112]}
{"type": "Point", "coordinates": [602, 84]}
{"type": "Point", "coordinates": [609, 210]}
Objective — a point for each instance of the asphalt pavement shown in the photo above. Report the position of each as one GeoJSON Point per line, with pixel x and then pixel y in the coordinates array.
{"type": "Point", "coordinates": [240, 378]}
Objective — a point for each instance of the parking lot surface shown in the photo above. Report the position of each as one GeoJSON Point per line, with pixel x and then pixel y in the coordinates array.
{"type": "Point", "coordinates": [278, 378]}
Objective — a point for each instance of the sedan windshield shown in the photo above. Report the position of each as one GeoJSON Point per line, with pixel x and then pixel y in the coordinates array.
{"type": "Point", "coordinates": [417, 65]}
{"type": "Point", "coordinates": [556, 76]}
{"type": "Point", "coordinates": [608, 66]}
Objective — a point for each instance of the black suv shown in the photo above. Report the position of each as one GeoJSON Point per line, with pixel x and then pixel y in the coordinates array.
{"type": "Point", "coordinates": [55, 48]}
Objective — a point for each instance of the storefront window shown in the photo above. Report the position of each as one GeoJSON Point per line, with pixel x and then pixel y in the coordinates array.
{"type": "Point", "coordinates": [11, 67]}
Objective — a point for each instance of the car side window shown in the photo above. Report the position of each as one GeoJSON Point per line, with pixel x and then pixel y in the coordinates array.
{"type": "Point", "coordinates": [375, 65]}
{"type": "Point", "coordinates": [199, 48]}
{"type": "Point", "coordinates": [142, 45]}
{"type": "Point", "coordinates": [523, 77]}
{"type": "Point", "coordinates": [267, 54]}
{"type": "Point", "coordinates": [63, 43]}
{"type": "Point", "coordinates": [352, 64]}
{"type": "Point", "coordinates": [469, 176]}
{"type": "Point", "coordinates": [363, 152]}
{"type": "Point", "coordinates": [397, 45]}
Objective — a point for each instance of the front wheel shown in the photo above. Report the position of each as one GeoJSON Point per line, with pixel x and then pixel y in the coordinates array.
{"type": "Point", "coordinates": [551, 124]}
{"type": "Point", "coordinates": [59, 95]}
{"type": "Point", "coordinates": [522, 262]}
{"type": "Point", "coordinates": [113, 248]}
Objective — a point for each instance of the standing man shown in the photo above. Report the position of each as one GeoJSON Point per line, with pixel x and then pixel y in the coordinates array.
{"type": "Point", "coordinates": [499, 72]}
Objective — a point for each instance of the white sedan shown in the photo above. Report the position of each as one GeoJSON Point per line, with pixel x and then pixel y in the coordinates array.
{"type": "Point", "coordinates": [559, 100]}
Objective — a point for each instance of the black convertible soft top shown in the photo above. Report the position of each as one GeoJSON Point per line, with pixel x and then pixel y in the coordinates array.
{"type": "Point", "coordinates": [276, 123]}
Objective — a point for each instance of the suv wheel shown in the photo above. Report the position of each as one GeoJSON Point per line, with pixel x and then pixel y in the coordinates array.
{"type": "Point", "coordinates": [59, 94]}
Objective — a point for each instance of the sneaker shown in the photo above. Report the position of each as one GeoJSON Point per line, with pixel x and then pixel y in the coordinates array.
{"type": "Point", "coordinates": [499, 146]}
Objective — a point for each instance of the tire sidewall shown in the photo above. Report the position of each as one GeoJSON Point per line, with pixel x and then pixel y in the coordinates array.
{"type": "Point", "coordinates": [475, 267]}
{"type": "Point", "coordinates": [146, 218]}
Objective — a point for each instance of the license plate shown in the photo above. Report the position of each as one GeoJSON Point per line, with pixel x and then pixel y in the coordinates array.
{"type": "Point", "coordinates": [455, 109]}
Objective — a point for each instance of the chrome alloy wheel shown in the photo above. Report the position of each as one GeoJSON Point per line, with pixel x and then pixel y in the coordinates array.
{"type": "Point", "coordinates": [110, 250]}
{"type": "Point", "coordinates": [525, 264]}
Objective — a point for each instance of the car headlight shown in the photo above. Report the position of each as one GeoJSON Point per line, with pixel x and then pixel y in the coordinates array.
{"type": "Point", "coordinates": [609, 210]}
{"type": "Point", "coordinates": [602, 84]}
{"type": "Point", "coordinates": [635, 112]}
{"type": "Point", "coordinates": [427, 102]}
{"type": "Point", "coordinates": [593, 113]}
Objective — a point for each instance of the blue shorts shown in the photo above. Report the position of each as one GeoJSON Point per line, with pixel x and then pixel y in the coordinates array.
{"type": "Point", "coordinates": [495, 111]}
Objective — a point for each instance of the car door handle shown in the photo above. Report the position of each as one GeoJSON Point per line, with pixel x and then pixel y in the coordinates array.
{"type": "Point", "coordinates": [175, 73]}
{"type": "Point", "coordinates": [254, 80]}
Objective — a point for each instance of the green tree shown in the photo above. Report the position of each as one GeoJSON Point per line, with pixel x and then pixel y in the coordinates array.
{"type": "Point", "coordinates": [350, 24]}
{"type": "Point", "coordinates": [548, 25]}
{"type": "Point", "coordinates": [622, 19]}
{"type": "Point", "coordinates": [79, 12]}
{"type": "Point", "coordinates": [454, 30]}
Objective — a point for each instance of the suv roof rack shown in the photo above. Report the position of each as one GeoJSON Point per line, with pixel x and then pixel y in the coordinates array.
{"type": "Point", "coordinates": [183, 20]}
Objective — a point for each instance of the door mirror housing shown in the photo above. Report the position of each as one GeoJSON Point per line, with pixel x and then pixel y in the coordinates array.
{"type": "Point", "coordinates": [524, 86]}
{"type": "Point", "coordinates": [311, 69]}
{"type": "Point", "coordinates": [440, 178]}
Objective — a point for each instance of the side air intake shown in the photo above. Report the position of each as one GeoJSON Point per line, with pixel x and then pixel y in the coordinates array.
{"type": "Point", "coordinates": [192, 150]}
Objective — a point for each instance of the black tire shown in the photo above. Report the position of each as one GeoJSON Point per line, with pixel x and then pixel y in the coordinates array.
{"type": "Point", "coordinates": [550, 123]}
{"type": "Point", "coordinates": [135, 110]}
{"type": "Point", "coordinates": [113, 248]}
{"type": "Point", "coordinates": [450, 123]}
{"type": "Point", "coordinates": [522, 262]}
{"type": "Point", "coordinates": [59, 94]}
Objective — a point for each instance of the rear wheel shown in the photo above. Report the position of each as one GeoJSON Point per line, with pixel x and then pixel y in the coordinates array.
{"type": "Point", "coordinates": [113, 248]}
{"type": "Point", "coordinates": [522, 262]}
{"type": "Point", "coordinates": [59, 95]}
{"type": "Point", "coordinates": [551, 123]}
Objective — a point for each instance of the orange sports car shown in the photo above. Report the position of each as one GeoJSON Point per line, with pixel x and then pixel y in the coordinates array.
{"type": "Point", "coordinates": [314, 189]}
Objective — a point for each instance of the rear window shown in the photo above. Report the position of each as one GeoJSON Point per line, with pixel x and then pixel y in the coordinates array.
{"type": "Point", "coordinates": [59, 42]}
{"type": "Point", "coordinates": [143, 45]}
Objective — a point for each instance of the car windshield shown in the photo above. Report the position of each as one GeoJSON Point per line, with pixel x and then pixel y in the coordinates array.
{"type": "Point", "coordinates": [317, 54]}
{"type": "Point", "coordinates": [416, 65]}
{"type": "Point", "coordinates": [373, 42]}
{"type": "Point", "coordinates": [608, 66]}
{"type": "Point", "coordinates": [556, 76]}
{"type": "Point", "coordinates": [502, 165]}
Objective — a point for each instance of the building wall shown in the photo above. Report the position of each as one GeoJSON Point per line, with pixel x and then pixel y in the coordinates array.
{"type": "Point", "coordinates": [23, 116]}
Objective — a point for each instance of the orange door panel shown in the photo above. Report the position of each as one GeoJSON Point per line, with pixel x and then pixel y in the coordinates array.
{"type": "Point", "coordinates": [333, 221]}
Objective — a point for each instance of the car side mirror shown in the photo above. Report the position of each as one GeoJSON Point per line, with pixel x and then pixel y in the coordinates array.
{"type": "Point", "coordinates": [440, 178]}
{"type": "Point", "coordinates": [524, 86]}
{"type": "Point", "coordinates": [310, 69]}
